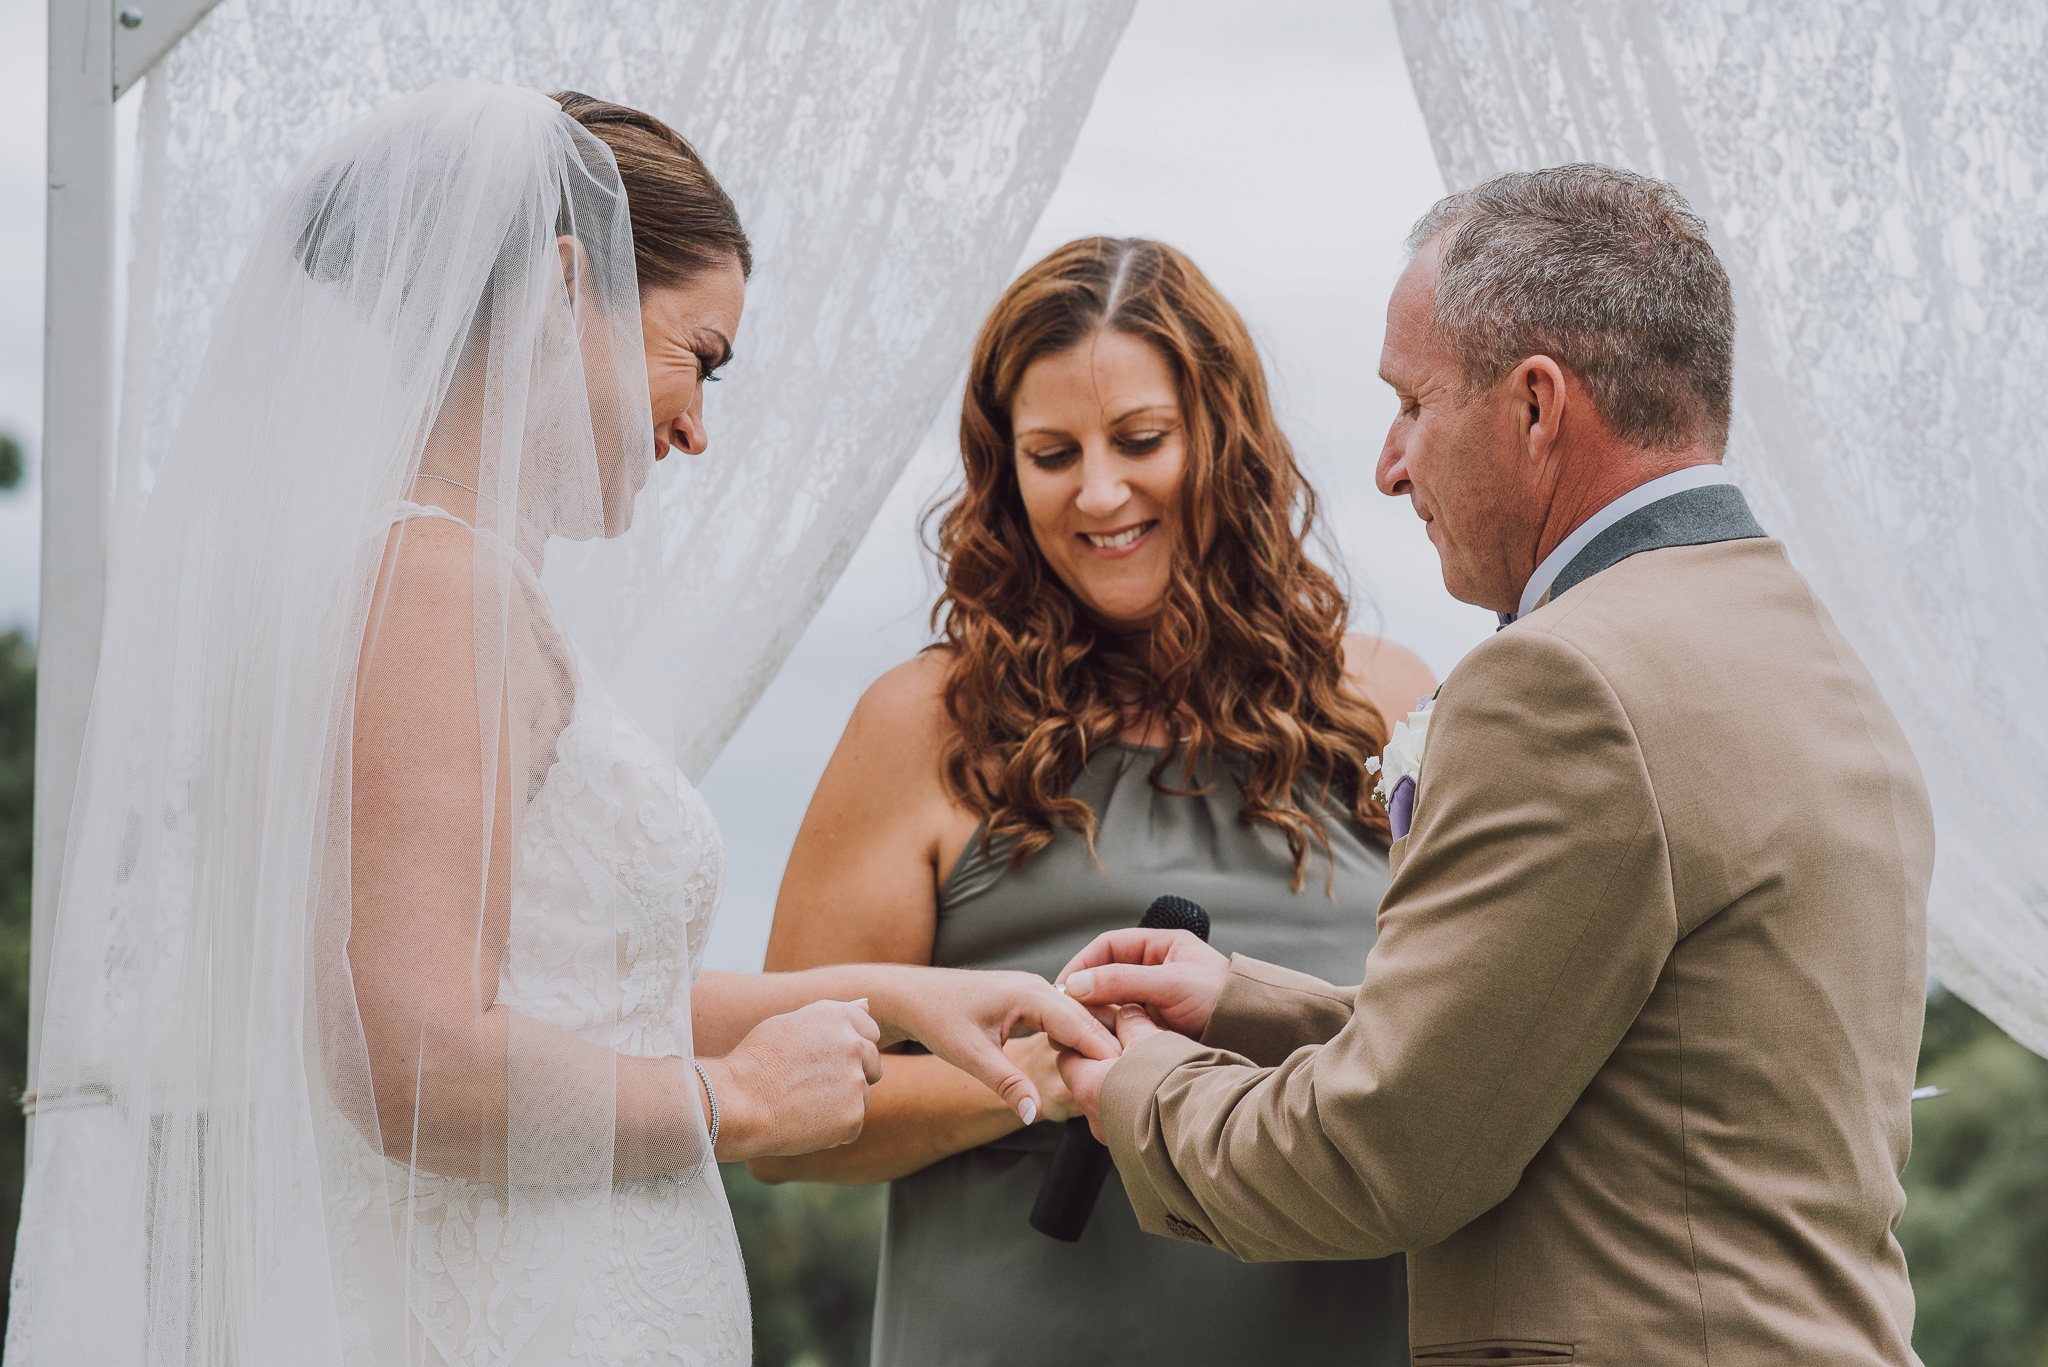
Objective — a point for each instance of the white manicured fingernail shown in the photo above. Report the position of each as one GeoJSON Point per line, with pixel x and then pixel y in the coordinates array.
{"type": "Point", "coordinates": [1028, 1109]}
{"type": "Point", "coordinates": [1081, 984]}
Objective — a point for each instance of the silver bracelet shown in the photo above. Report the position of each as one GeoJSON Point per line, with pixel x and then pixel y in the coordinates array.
{"type": "Point", "coordinates": [712, 1093]}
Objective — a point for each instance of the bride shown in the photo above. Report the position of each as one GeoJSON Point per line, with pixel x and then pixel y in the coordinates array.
{"type": "Point", "coordinates": [375, 1027]}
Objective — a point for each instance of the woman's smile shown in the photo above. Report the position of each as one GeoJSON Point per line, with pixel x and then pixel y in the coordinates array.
{"type": "Point", "coordinates": [1124, 541]}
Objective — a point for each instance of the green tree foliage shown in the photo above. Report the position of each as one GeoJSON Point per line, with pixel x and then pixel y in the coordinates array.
{"type": "Point", "coordinates": [812, 1253]}
{"type": "Point", "coordinates": [1976, 1224]}
{"type": "Point", "coordinates": [17, 803]}
{"type": "Point", "coordinates": [10, 461]}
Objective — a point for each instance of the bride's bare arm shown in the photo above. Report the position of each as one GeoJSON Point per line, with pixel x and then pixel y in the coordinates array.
{"type": "Point", "coordinates": [431, 911]}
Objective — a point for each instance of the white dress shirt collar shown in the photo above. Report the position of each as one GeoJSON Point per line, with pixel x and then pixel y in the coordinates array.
{"type": "Point", "coordinates": [1642, 496]}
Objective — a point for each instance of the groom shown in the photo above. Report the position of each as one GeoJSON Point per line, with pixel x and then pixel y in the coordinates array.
{"type": "Point", "coordinates": [1628, 1074]}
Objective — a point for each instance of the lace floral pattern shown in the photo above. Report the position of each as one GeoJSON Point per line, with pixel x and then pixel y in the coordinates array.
{"type": "Point", "coordinates": [889, 160]}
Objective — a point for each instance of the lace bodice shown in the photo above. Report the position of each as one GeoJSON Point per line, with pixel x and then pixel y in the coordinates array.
{"type": "Point", "coordinates": [653, 1276]}
{"type": "Point", "coordinates": [612, 808]}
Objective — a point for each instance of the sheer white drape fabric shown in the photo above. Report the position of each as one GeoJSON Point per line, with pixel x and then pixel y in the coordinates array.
{"type": "Point", "coordinates": [220, 1173]}
{"type": "Point", "coordinates": [888, 157]}
{"type": "Point", "coordinates": [317, 320]}
{"type": "Point", "coordinates": [1876, 180]}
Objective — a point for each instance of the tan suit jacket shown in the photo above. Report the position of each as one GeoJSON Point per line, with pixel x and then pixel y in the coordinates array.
{"type": "Point", "coordinates": [1628, 1074]}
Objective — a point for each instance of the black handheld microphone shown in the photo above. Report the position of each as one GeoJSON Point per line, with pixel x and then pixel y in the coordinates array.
{"type": "Point", "coordinates": [1080, 1165]}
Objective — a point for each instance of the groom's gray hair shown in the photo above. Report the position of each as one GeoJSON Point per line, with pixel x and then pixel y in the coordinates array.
{"type": "Point", "coordinates": [1606, 272]}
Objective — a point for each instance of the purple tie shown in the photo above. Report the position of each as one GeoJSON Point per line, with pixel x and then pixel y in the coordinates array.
{"type": "Point", "coordinates": [1507, 619]}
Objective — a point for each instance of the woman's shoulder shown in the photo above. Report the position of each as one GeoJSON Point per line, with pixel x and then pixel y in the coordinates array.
{"type": "Point", "coordinates": [910, 698]}
{"type": "Point", "coordinates": [899, 728]}
{"type": "Point", "coordinates": [1388, 675]}
{"type": "Point", "coordinates": [884, 786]}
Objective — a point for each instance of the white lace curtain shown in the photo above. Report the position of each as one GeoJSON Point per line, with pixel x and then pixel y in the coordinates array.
{"type": "Point", "coordinates": [889, 157]}
{"type": "Point", "coordinates": [1876, 178]}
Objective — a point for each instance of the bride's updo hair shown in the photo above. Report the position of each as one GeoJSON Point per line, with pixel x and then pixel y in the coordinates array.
{"type": "Point", "coordinates": [683, 221]}
{"type": "Point", "coordinates": [1244, 659]}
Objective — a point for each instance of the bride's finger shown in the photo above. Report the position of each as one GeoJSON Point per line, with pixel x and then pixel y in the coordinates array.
{"type": "Point", "coordinates": [1072, 1025]}
{"type": "Point", "coordinates": [986, 1062]}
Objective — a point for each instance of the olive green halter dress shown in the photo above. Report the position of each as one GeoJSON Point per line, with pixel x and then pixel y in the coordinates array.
{"type": "Point", "coordinates": [965, 1280]}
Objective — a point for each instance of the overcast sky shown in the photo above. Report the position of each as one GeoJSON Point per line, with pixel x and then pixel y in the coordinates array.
{"type": "Point", "coordinates": [1276, 141]}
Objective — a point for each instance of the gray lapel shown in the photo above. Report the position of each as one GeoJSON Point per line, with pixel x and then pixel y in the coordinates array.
{"type": "Point", "coordinates": [1696, 517]}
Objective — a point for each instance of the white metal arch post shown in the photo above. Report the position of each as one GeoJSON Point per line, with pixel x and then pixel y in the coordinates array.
{"type": "Point", "coordinates": [98, 49]}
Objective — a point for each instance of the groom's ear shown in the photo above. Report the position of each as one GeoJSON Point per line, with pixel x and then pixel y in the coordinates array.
{"type": "Point", "coordinates": [1541, 397]}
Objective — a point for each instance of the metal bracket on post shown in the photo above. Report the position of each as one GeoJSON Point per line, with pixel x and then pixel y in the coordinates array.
{"type": "Point", "coordinates": [144, 30]}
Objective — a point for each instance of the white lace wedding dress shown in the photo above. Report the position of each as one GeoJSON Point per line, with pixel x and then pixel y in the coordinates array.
{"type": "Point", "coordinates": [653, 1276]}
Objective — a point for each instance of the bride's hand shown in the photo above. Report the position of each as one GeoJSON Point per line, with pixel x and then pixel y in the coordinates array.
{"type": "Point", "coordinates": [965, 1016]}
{"type": "Point", "coordinates": [798, 1082]}
{"type": "Point", "coordinates": [1039, 1057]}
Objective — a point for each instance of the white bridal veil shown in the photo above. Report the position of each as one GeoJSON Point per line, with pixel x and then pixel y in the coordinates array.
{"type": "Point", "coordinates": [441, 306]}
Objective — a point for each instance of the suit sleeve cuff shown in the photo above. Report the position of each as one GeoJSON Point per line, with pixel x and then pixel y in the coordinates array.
{"type": "Point", "coordinates": [1158, 1196]}
{"type": "Point", "coordinates": [1267, 1012]}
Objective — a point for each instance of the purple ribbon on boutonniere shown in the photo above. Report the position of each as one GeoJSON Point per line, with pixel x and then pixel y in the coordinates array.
{"type": "Point", "coordinates": [1400, 764]}
{"type": "Point", "coordinates": [1401, 807]}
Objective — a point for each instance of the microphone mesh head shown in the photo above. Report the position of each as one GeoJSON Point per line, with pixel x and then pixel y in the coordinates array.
{"type": "Point", "coordinates": [1176, 913]}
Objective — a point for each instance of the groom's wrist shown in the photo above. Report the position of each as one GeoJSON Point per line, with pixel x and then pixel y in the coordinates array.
{"type": "Point", "coordinates": [1266, 1012]}
{"type": "Point", "coordinates": [1125, 1104]}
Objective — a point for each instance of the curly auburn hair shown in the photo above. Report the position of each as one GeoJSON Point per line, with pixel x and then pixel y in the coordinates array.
{"type": "Point", "coordinates": [1245, 655]}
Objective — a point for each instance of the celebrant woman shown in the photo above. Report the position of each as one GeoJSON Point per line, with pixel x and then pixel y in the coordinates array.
{"type": "Point", "coordinates": [1143, 685]}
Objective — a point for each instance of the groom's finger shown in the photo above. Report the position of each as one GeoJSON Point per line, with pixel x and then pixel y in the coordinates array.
{"type": "Point", "coordinates": [1141, 983]}
{"type": "Point", "coordinates": [1134, 946]}
{"type": "Point", "coordinates": [1134, 1024]}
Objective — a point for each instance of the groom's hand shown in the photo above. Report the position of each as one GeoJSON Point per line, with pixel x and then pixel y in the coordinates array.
{"type": "Point", "coordinates": [1170, 971]}
{"type": "Point", "coordinates": [1084, 1076]}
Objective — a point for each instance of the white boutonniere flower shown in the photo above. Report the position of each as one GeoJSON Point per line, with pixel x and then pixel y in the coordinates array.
{"type": "Point", "coordinates": [1403, 755]}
